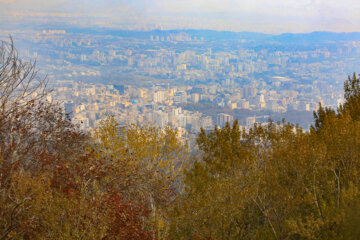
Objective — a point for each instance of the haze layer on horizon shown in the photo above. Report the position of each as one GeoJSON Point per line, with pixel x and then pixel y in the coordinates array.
{"type": "Point", "coordinates": [275, 16]}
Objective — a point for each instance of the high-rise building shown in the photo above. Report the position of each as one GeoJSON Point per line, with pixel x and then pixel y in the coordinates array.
{"type": "Point", "coordinates": [159, 96]}
{"type": "Point", "coordinates": [180, 97]}
{"type": "Point", "coordinates": [195, 97]}
{"type": "Point", "coordinates": [223, 118]}
{"type": "Point", "coordinates": [260, 101]}
{"type": "Point", "coordinates": [250, 121]}
{"type": "Point", "coordinates": [160, 118]}
{"type": "Point", "coordinates": [206, 122]}
{"type": "Point", "coordinates": [248, 91]}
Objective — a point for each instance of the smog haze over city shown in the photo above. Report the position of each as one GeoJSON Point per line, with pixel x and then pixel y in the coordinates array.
{"type": "Point", "coordinates": [189, 64]}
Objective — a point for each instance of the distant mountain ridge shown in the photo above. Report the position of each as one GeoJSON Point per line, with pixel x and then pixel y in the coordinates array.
{"type": "Point", "coordinates": [226, 35]}
{"type": "Point", "coordinates": [319, 36]}
{"type": "Point", "coordinates": [208, 35]}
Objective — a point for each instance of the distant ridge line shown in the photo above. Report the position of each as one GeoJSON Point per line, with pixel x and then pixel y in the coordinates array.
{"type": "Point", "coordinates": [226, 35]}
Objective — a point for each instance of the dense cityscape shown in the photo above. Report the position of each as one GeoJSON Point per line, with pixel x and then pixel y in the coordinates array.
{"type": "Point", "coordinates": [180, 119]}
{"type": "Point", "coordinates": [189, 79]}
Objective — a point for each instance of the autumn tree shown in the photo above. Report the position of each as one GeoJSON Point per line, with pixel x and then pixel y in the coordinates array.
{"type": "Point", "coordinates": [51, 177]}
{"type": "Point", "coordinates": [146, 165]}
{"type": "Point", "coordinates": [352, 97]}
{"type": "Point", "coordinates": [218, 189]}
{"type": "Point", "coordinates": [32, 131]}
{"type": "Point", "coordinates": [275, 181]}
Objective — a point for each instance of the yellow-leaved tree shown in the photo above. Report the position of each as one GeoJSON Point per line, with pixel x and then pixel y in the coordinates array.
{"type": "Point", "coordinates": [147, 163]}
{"type": "Point", "coordinates": [276, 181]}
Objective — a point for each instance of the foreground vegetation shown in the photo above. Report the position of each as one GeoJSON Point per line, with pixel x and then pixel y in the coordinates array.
{"type": "Point", "coordinates": [139, 182]}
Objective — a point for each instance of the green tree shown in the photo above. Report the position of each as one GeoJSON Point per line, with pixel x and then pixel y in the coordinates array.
{"type": "Point", "coordinates": [275, 181]}
{"type": "Point", "coordinates": [352, 97]}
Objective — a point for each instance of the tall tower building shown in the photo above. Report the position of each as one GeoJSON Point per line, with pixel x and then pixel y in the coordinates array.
{"type": "Point", "coordinates": [180, 97]}
{"type": "Point", "coordinates": [223, 118]}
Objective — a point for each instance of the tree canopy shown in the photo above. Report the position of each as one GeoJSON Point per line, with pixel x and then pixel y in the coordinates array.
{"type": "Point", "coordinates": [274, 181]}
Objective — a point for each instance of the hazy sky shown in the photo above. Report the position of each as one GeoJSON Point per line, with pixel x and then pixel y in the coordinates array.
{"type": "Point", "coordinates": [270, 16]}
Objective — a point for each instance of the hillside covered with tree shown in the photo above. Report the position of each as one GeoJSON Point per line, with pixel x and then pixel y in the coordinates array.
{"type": "Point", "coordinates": [140, 182]}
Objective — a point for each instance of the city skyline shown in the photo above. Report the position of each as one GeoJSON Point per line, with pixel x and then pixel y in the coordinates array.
{"type": "Point", "coordinates": [191, 79]}
{"type": "Point", "coordinates": [274, 17]}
